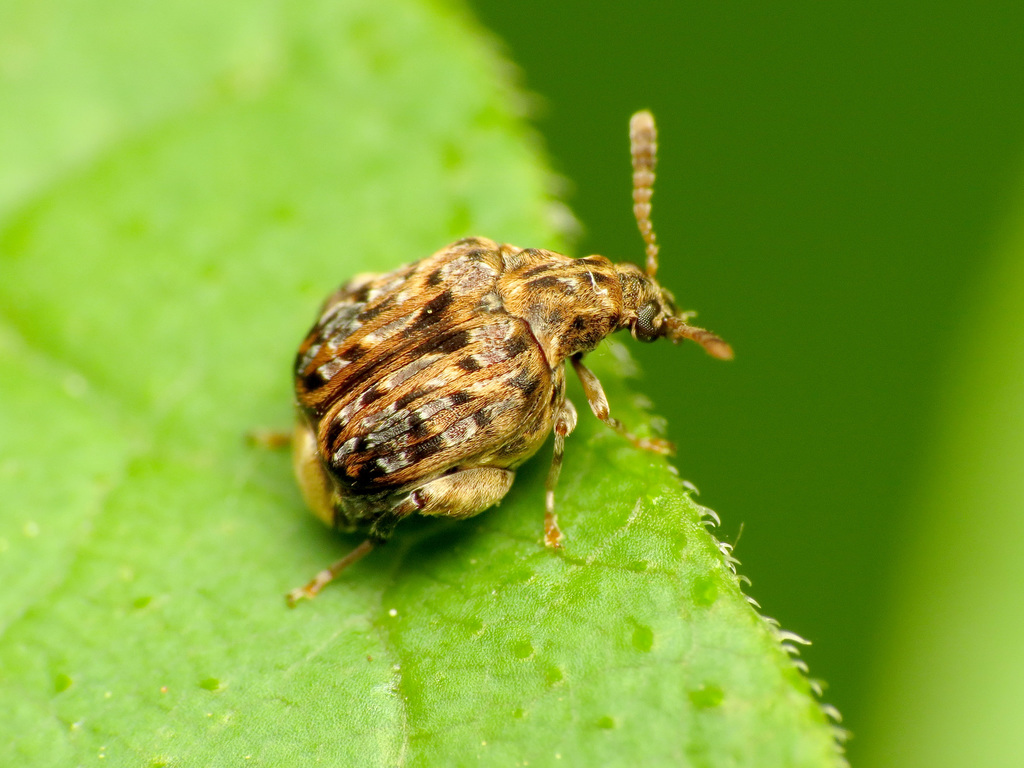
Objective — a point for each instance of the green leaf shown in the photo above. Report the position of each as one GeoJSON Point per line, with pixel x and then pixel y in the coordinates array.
{"type": "Point", "coordinates": [182, 186]}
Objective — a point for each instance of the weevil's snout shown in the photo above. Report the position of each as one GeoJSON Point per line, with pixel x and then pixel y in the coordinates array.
{"type": "Point", "coordinates": [645, 305]}
{"type": "Point", "coordinates": [649, 311]}
{"type": "Point", "coordinates": [650, 321]}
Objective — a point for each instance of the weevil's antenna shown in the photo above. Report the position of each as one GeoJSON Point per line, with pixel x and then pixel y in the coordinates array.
{"type": "Point", "coordinates": [678, 329]}
{"type": "Point", "coordinates": [643, 147]}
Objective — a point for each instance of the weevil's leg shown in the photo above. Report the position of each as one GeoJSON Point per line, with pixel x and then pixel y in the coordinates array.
{"type": "Point", "coordinates": [678, 329]}
{"type": "Point", "coordinates": [599, 405]}
{"type": "Point", "coordinates": [461, 494]}
{"type": "Point", "coordinates": [565, 423]}
{"type": "Point", "coordinates": [643, 147]}
{"type": "Point", "coordinates": [270, 439]}
{"type": "Point", "coordinates": [329, 574]}
{"type": "Point", "coordinates": [314, 482]}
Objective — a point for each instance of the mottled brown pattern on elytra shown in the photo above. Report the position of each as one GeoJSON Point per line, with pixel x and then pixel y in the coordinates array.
{"type": "Point", "coordinates": [399, 323]}
{"type": "Point", "coordinates": [456, 356]}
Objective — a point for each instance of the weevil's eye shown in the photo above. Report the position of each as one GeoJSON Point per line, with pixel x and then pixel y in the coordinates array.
{"type": "Point", "coordinates": [644, 329]}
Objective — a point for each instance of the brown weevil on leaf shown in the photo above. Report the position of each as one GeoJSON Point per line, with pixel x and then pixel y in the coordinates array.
{"type": "Point", "coordinates": [420, 391]}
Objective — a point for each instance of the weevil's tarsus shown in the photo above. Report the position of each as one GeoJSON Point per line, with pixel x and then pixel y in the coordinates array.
{"type": "Point", "coordinates": [329, 574]}
{"type": "Point", "coordinates": [552, 533]}
{"type": "Point", "coordinates": [643, 147]}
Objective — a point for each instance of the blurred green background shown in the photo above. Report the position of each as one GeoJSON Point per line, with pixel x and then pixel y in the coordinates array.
{"type": "Point", "coordinates": [837, 184]}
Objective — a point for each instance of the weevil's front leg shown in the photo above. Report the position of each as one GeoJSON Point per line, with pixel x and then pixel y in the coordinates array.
{"type": "Point", "coordinates": [599, 405]}
{"type": "Point", "coordinates": [565, 423]}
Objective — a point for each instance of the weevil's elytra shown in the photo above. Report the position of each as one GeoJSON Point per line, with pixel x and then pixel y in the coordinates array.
{"type": "Point", "coordinates": [423, 389]}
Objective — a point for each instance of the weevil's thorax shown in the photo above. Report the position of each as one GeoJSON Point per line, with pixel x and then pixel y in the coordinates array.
{"type": "Point", "coordinates": [569, 304]}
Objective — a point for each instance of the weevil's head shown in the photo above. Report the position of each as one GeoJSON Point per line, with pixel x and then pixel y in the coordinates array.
{"type": "Point", "coordinates": [649, 312]}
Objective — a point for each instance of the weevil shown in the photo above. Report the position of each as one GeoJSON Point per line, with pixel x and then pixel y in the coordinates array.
{"type": "Point", "coordinates": [420, 391]}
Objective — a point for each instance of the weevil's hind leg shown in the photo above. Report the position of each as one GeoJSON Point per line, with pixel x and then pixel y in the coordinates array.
{"type": "Point", "coordinates": [460, 494]}
{"type": "Point", "coordinates": [314, 482]}
{"type": "Point", "coordinates": [565, 423]}
{"type": "Point", "coordinates": [269, 439]}
{"type": "Point", "coordinates": [329, 574]}
{"type": "Point", "coordinates": [599, 405]}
